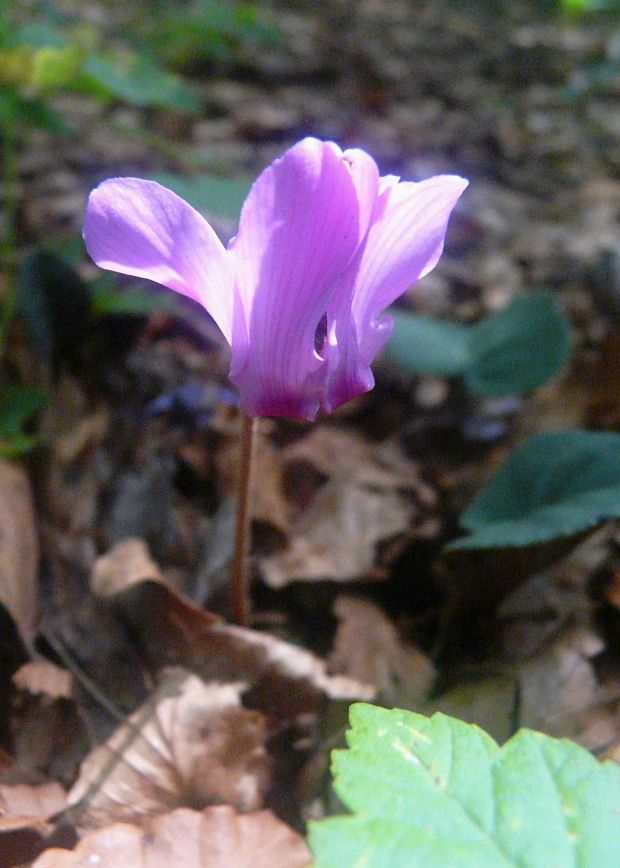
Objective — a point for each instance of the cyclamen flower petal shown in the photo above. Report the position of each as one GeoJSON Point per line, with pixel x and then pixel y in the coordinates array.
{"type": "Point", "coordinates": [143, 229]}
{"type": "Point", "coordinates": [321, 237]}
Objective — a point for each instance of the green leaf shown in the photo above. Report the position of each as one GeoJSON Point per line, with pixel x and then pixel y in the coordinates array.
{"type": "Point", "coordinates": [429, 346]}
{"type": "Point", "coordinates": [211, 194]}
{"type": "Point", "coordinates": [18, 406]}
{"type": "Point", "coordinates": [17, 109]}
{"type": "Point", "coordinates": [130, 300]}
{"type": "Point", "coordinates": [136, 80]}
{"type": "Point", "coordinates": [54, 303]}
{"type": "Point", "coordinates": [520, 348]}
{"type": "Point", "coordinates": [440, 793]}
{"type": "Point", "coordinates": [510, 352]}
{"type": "Point", "coordinates": [554, 484]}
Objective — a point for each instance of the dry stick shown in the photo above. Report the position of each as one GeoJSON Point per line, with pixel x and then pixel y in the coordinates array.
{"type": "Point", "coordinates": [240, 570]}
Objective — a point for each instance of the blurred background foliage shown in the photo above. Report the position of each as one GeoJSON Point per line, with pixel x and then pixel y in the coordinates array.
{"type": "Point", "coordinates": [152, 56]}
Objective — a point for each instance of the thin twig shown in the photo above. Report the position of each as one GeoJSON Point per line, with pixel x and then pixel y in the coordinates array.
{"type": "Point", "coordinates": [240, 570]}
{"type": "Point", "coordinates": [78, 673]}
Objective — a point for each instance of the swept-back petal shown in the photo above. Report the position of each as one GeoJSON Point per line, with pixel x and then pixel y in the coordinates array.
{"type": "Point", "coordinates": [403, 244]}
{"type": "Point", "coordinates": [299, 229]}
{"type": "Point", "coordinates": [141, 228]}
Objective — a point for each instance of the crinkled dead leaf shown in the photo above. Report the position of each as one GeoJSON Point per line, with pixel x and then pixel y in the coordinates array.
{"type": "Point", "coordinates": [25, 813]}
{"type": "Point", "coordinates": [217, 837]}
{"type": "Point", "coordinates": [27, 801]}
{"type": "Point", "coordinates": [19, 548]}
{"type": "Point", "coordinates": [372, 494]}
{"type": "Point", "coordinates": [559, 686]}
{"type": "Point", "coordinates": [125, 564]}
{"type": "Point", "coordinates": [283, 680]}
{"type": "Point", "coordinates": [367, 647]}
{"type": "Point", "coordinates": [192, 745]}
{"type": "Point", "coordinates": [269, 504]}
{"type": "Point", "coordinates": [44, 678]}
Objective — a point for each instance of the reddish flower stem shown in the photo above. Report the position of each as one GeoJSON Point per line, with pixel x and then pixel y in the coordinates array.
{"type": "Point", "coordinates": [240, 570]}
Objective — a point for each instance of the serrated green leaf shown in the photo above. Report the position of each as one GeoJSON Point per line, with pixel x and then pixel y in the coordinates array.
{"type": "Point", "coordinates": [510, 352]}
{"type": "Point", "coordinates": [210, 194]}
{"type": "Point", "coordinates": [440, 793]}
{"type": "Point", "coordinates": [553, 485]}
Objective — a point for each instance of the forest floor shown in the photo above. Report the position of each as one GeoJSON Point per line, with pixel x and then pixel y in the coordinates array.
{"type": "Point", "coordinates": [117, 530]}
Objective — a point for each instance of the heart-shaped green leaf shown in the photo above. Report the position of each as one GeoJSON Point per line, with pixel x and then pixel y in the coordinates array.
{"type": "Point", "coordinates": [554, 484]}
{"type": "Point", "coordinates": [510, 352]}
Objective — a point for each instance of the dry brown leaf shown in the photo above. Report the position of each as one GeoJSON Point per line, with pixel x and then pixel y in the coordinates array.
{"type": "Point", "coordinates": [373, 494]}
{"type": "Point", "coordinates": [44, 678]}
{"type": "Point", "coordinates": [197, 747]}
{"type": "Point", "coordinates": [127, 563]}
{"type": "Point", "coordinates": [338, 535]}
{"type": "Point", "coordinates": [217, 837]}
{"type": "Point", "coordinates": [367, 647]}
{"type": "Point", "coordinates": [24, 824]}
{"type": "Point", "coordinates": [19, 548]}
{"type": "Point", "coordinates": [27, 801]}
{"type": "Point", "coordinates": [268, 501]}
{"type": "Point", "coordinates": [559, 687]}
{"type": "Point", "coordinates": [283, 680]}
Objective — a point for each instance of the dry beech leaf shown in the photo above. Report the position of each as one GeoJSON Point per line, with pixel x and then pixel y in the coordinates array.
{"type": "Point", "coordinates": [19, 548]}
{"type": "Point", "coordinates": [44, 678]}
{"type": "Point", "coordinates": [28, 801]}
{"type": "Point", "coordinates": [127, 563]}
{"type": "Point", "coordinates": [199, 746]}
{"type": "Point", "coordinates": [367, 646]}
{"type": "Point", "coordinates": [283, 680]}
{"type": "Point", "coordinates": [337, 537]}
{"type": "Point", "coordinates": [559, 687]}
{"type": "Point", "coordinates": [217, 837]}
{"type": "Point", "coordinates": [268, 501]}
{"type": "Point", "coordinates": [372, 494]}
{"type": "Point", "coordinates": [24, 819]}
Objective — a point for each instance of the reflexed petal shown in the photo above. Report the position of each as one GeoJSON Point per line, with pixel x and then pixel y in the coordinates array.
{"type": "Point", "coordinates": [365, 177]}
{"type": "Point", "coordinates": [403, 244]}
{"type": "Point", "coordinates": [299, 229]}
{"type": "Point", "coordinates": [141, 228]}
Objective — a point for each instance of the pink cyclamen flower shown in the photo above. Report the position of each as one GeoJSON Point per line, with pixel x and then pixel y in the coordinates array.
{"type": "Point", "coordinates": [324, 246]}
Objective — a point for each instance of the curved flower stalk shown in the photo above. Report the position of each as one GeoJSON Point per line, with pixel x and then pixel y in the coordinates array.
{"type": "Point", "coordinates": [324, 246]}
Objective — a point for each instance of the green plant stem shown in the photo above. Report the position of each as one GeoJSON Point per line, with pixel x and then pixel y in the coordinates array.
{"type": "Point", "coordinates": [240, 571]}
{"type": "Point", "coordinates": [8, 243]}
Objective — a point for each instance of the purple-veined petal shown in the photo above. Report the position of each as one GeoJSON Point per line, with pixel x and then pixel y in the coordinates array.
{"type": "Point", "coordinates": [299, 229]}
{"type": "Point", "coordinates": [141, 228]}
{"type": "Point", "coordinates": [404, 243]}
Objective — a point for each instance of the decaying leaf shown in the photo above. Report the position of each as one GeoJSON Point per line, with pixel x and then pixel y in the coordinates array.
{"type": "Point", "coordinates": [217, 837]}
{"type": "Point", "coordinates": [44, 678]}
{"type": "Point", "coordinates": [367, 647]}
{"type": "Point", "coordinates": [25, 813]}
{"type": "Point", "coordinates": [372, 494]}
{"type": "Point", "coordinates": [26, 801]}
{"type": "Point", "coordinates": [125, 564]}
{"type": "Point", "coordinates": [559, 686]}
{"type": "Point", "coordinates": [283, 680]}
{"type": "Point", "coordinates": [193, 745]}
{"type": "Point", "coordinates": [19, 548]}
{"type": "Point", "coordinates": [268, 502]}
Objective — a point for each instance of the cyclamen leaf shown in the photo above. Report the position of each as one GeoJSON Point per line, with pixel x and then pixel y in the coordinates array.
{"type": "Point", "coordinates": [553, 485]}
{"type": "Point", "coordinates": [210, 194]}
{"type": "Point", "coordinates": [440, 793]}
{"type": "Point", "coordinates": [510, 352]}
